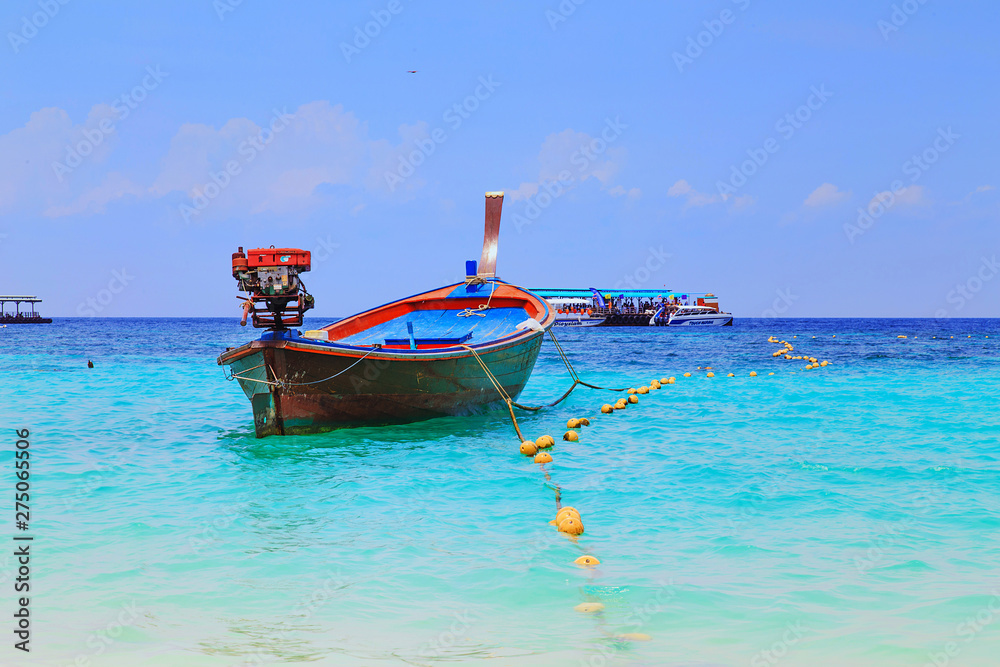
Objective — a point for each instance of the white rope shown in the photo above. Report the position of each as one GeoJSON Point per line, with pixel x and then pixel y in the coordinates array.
{"type": "Point", "coordinates": [300, 384]}
{"type": "Point", "coordinates": [240, 376]}
{"type": "Point", "coordinates": [469, 312]}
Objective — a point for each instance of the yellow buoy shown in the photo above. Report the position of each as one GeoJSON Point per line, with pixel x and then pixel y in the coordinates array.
{"type": "Point", "coordinates": [631, 390]}
{"type": "Point", "coordinates": [664, 380]}
{"type": "Point", "coordinates": [607, 408]}
{"type": "Point", "coordinates": [809, 367]}
{"type": "Point", "coordinates": [572, 436]}
{"type": "Point", "coordinates": [565, 512]}
{"type": "Point", "coordinates": [770, 373]}
{"type": "Point", "coordinates": [543, 457]}
{"type": "Point", "coordinates": [687, 375]}
{"type": "Point", "coordinates": [528, 448]}
{"type": "Point", "coordinates": [572, 423]}
{"type": "Point", "coordinates": [654, 385]}
{"type": "Point", "coordinates": [621, 404]}
{"type": "Point", "coordinates": [901, 336]}
{"type": "Point", "coordinates": [584, 421]}
{"type": "Point", "coordinates": [671, 380]}
{"type": "Point", "coordinates": [589, 607]}
{"type": "Point", "coordinates": [584, 561]}
{"type": "Point", "coordinates": [642, 390]}
{"type": "Point", "coordinates": [633, 399]}
{"type": "Point", "coordinates": [545, 441]}
{"type": "Point", "coordinates": [753, 374]}
{"type": "Point", "coordinates": [824, 363]}
{"type": "Point", "coordinates": [730, 375]}
{"type": "Point", "coordinates": [710, 375]}
{"type": "Point", "coordinates": [571, 525]}
{"type": "Point", "coordinates": [788, 356]}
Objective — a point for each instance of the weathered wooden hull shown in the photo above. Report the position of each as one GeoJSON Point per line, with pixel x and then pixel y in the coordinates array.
{"type": "Point", "coordinates": [404, 361]}
{"type": "Point", "coordinates": [320, 389]}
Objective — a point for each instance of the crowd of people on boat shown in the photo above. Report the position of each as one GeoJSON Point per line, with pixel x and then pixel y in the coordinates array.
{"type": "Point", "coordinates": [635, 305]}
{"type": "Point", "coordinates": [622, 305]}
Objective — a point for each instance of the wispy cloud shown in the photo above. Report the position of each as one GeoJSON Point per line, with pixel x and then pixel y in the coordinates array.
{"type": "Point", "coordinates": [695, 199]}
{"type": "Point", "coordinates": [279, 166]}
{"type": "Point", "coordinates": [912, 196]}
{"type": "Point", "coordinates": [825, 195]}
{"type": "Point", "coordinates": [571, 157]}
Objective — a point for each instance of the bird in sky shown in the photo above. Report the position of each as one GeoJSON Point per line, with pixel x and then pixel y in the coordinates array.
{"type": "Point", "coordinates": [411, 71]}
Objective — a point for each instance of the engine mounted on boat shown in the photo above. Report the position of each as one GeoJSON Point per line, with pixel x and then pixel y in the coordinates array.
{"type": "Point", "coordinates": [278, 298]}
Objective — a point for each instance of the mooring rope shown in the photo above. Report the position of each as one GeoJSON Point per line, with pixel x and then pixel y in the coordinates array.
{"type": "Point", "coordinates": [499, 387]}
{"type": "Point", "coordinates": [511, 403]}
{"type": "Point", "coordinates": [302, 384]}
{"type": "Point", "coordinates": [241, 375]}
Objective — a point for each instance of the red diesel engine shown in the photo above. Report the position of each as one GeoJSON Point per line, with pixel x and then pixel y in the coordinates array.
{"type": "Point", "coordinates": [278, 299]}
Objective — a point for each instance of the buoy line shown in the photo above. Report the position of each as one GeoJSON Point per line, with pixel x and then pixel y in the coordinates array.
{"type": "Point", "coordinates": [568, 519]}
{"type": "Point", "coordinates": [785, 352]}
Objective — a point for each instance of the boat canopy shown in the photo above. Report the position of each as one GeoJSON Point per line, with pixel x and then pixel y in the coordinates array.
{"type": "Point", "coordinates": [549, 294]}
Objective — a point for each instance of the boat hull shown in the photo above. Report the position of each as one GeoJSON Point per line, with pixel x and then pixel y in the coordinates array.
{"type": "Point", "coordinates": [718, 320]}
{"type": "Point", "coordinates": [578, 320]}
{"type": "Point", "coordinates": [322, 390]}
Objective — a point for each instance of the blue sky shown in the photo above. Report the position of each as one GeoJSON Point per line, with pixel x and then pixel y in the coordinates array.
{"type": "Point", "coordinates": [798, 159]}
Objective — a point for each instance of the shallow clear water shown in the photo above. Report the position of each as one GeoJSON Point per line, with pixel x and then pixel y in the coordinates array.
{"type": "Point", "coordinates": [845, 515]}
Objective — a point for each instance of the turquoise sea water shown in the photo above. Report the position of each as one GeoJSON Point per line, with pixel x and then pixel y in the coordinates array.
{"type": "Point", "coordinates": [848, 515]}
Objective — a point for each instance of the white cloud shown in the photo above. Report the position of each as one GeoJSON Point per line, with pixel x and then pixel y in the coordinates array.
{"type": "Point", "coordinates": [570, 157]}
{"type": "Point", "coordinates": [114, 187]}
{"type": "Point", "coordinates": [679, 188]}
{"type": "Point", "coordinates": [316, 145]}
{"type": "Point", "coordinates": [694, 198]}
{"type": "Point", "coordinates": [50, 161]}
{"type": "Point", "coordinates": [825, 195]}
{"type": "Point", "coordinates": [280, 166]}
{"type": "Point", "coordinates": [523, 191]}
{"type": "Point", "coordinates": [912, 195]}
{"type": "Point", "coordinates": [620, 191]}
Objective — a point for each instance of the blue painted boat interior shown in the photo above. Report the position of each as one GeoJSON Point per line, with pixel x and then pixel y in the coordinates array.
{"type": "Point", "coordinates": [492, 324]}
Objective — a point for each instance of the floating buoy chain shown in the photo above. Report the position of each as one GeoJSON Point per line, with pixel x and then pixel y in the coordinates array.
{"type": "Point", "coordinates": [785, 352]}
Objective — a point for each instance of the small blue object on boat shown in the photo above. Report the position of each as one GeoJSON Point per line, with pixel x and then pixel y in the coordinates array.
{"type": "Point", "coordinates": [414, 342]}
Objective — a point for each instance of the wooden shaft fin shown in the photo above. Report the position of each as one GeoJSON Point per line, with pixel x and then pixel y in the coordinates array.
{"type": "Point", "coordinates": [488, 262]}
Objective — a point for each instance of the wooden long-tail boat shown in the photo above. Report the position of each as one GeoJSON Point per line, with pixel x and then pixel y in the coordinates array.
{"type": "Point", "coordinates": [411, 359]}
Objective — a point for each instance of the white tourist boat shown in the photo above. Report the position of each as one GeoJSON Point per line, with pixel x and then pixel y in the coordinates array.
{"type": "Point", "coordinates": [575, 313]}
{"type": "Point", "coordinates": [697, 316]}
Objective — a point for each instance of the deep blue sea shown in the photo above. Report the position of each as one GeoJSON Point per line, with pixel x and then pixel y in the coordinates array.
{"type": "Point", "coordinates": [845, 515]}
